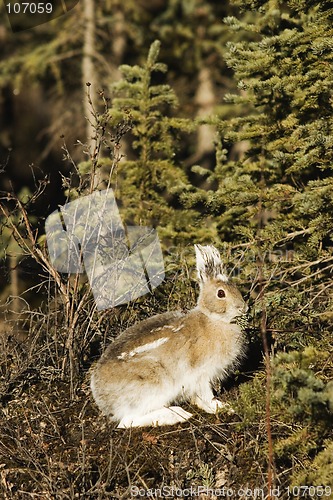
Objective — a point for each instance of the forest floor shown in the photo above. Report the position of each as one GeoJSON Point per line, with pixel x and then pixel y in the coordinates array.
{"type": "Point", "coordinates": [54, 445]}
{"type": "Point", "coordinates": [54, 448]}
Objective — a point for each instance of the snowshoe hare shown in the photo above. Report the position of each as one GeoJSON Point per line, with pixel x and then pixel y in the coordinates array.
{"type": "Point", "coordinates": [173, 356]}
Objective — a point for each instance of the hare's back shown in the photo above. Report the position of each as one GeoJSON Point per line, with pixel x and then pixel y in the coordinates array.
{"type": "Point", "coordinates": [144, 332]}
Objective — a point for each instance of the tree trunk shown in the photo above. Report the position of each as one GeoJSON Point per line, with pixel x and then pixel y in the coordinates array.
{"type": "Point", "coordinates": [205, 99]}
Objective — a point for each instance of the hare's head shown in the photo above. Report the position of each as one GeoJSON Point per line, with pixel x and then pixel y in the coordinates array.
{"type": "Point", "coordinates": [217, 294]}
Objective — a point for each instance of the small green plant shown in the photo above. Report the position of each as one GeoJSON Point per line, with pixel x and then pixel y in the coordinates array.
{"type": "Point", "coordinates": [203, 475]}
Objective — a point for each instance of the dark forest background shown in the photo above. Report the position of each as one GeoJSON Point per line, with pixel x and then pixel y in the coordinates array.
{"type": "Point", "coordinates": [212, 122]}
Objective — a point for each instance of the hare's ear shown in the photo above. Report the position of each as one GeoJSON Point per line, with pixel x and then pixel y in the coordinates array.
{"type": "Point", "coordinates": [209, 263]}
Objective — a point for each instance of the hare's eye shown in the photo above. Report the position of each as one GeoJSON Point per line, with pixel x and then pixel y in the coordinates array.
{"type": "Point", "coordinates": [220, 293]}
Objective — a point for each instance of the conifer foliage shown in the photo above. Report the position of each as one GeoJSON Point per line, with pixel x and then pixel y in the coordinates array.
{"type": "Point", "coordinates": [150, 180]}
{"type": "Point", "coordinates": [282, 62]}
{"type": "Point", "coordinates": [279, 198]}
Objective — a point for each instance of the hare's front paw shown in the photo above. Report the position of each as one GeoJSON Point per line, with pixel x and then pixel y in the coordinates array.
{"type": "Point", "coordinates": [226, 407]}
{"type": "Point", "coordinates": [212, 405]}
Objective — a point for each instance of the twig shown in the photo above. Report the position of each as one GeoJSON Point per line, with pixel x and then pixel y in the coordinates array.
{"type": "Point", "coordinates": [263, 329]}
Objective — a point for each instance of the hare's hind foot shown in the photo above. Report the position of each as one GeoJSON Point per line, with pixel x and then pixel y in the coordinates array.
{"type": "Point", "coordinates": [164, 416]}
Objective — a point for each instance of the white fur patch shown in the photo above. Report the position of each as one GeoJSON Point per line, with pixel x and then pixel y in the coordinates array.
{"type": "Point", "coordinates": [178, 328]}
{"type": "Point", "coordinates": [209, 264]}
{"type": "Point", "coordinates": [162, 416]}
{"type": "Point", "coordinates": [222, 277]}
{"type": "Point", "coordinates": [200, 263]}
{"type": "Point", "coordinates": [143, 348]}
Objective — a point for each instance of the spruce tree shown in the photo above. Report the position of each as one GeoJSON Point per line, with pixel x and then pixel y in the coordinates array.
{"type": "Point", "coordinates": [149, 184]}
{"type": "Point", "coordinates": [275, 203]}
{"type": "Point", "coordinates": [284, 181]}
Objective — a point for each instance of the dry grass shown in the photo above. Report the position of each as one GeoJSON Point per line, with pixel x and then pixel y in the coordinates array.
{"type": "Point", "coordinates": [56, 446]}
